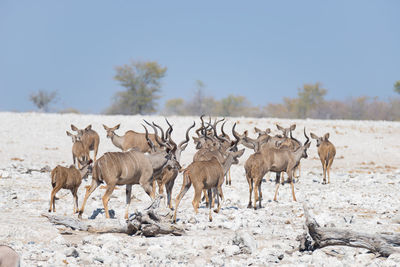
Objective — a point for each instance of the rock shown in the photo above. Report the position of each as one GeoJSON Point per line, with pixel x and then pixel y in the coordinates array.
{"type": "Point", "coordinates": [245, 241]}
{"type": "Point", "coordinates": [396, 219]}
{"type": "Point", "coordinates": [72, 252]}
{"type": "Point", "coordinates": [217, 260]}
{"type": "Point", "coordinates": [395, 257]}
{"type": "Point", "coordinates": [231, 250]}
{"type": "Point", "coordinates": [157, 252]}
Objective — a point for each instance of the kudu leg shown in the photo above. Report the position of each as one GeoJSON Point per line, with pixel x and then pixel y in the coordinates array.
{"type": "Point", "coordinates": [291, 183]}
{"type": "Point", "coordinates": [185, 187]}
{"type": "Point", "coordinates": [210, 196]}
{"type": "Point", "coordinates": [75, 195]}
{"type": "Point", "coordinates": [228, 178]}
{"type": "Point", "coordinates": [250, 181]}
{"type": "Point", "coordinates": [128, 192]}
{"type": "Point", "coordinates": [259, 193]}
{"type": "Point", "coordinates": [52, 198]}
{"type": "Point", "coordinates": [89, 191]}
{"type": "Point", "coordinates": [329, 170]}
{"type": "Point", "coordinates": [220, 197]}
{"type": "Point", "coordinates": [168, 187]}
{"type": "Point", "coordinates": [323, 171]}
{"type": "Point", "coordinates": [255, 193]}
{"type": "Point", "coordinates": [277, 180]}
{"type": "Point", "coordinates": [205, 194]}
{"type": "Point", "coordinates": [197, 198]}
{"type": "Point", "coordinates": [106, 198]}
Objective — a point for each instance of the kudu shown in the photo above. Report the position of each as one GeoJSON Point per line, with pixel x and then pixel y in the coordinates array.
{"type": "Point", "coordinates": [207, 175]}
{"type": "Point", "coordinates": [290, 143]}
{"type": "Point", "coordinates": [169, 173]}
{"type": "Point", "coordinates": [68, 178]}
{"type": "Point", "coordinates": [80, 153]}
{"type": "Point", "coordinates": [271, 159]}
{"type": "Point", "coordinates": [128, 168]}
{"type": "Point", "coordinates": [89, 137]}
{"type": "Point", "coordinates": [326, 153]}
{"type": "Point", "coordinates": [130, 139]}
{"type": "Point", "coordinates": [251, 143]}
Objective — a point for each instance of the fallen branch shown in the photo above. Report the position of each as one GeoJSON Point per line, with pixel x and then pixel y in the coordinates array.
{"type": "Point", "coordinates": [152, 221]}
{"type": "Point", "coordinates": [318, 237]}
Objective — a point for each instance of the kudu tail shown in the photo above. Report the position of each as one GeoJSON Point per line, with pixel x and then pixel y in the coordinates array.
{"type": "Point", "coordinates": [54, 173]}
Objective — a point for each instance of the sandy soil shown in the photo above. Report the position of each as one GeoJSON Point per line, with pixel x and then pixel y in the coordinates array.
{"type": "Point", "coordinates": [363, 196]}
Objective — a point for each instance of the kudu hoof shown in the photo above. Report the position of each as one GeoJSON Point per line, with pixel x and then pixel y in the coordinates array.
{"type": "Point", "coordinates": [249, 206]}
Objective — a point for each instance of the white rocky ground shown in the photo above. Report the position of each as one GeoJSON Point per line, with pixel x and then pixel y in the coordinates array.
{"type": "Point", "coordinates": [363, 196]}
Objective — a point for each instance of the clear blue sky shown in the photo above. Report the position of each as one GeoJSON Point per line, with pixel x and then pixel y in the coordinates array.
{"type": "Point", "coordinates": [263, 50]}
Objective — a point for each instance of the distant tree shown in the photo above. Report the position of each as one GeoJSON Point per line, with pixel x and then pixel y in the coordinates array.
{"type": "Point", "coordinates": [200, 103]}
{"type": "Point", "coordinates": [233, 106]}
{"type": "Point", "coordinates": [175, 106]}
{"type": "Point", "coordinates": [142, 81]}
{"type": "Point", "coordinates": [309, 98]}
{"type": "Point", "coordinates": [42, 99]}
{"type": "Point", "coordinates": [397, 87]}
{"type": "Point", "coordinates": [288, 109]}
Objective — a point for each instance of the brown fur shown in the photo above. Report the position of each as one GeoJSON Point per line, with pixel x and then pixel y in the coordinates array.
{"type": "Point", "coordinates": [272, 159]}
{"type": "Point", "coordinates": [8, 257]}
{"type": "Point", "coordinates": [80, 153]}
{"type": "Point", "coordinates": [89, 137]}
{"type": "Point", "coordinates": [67, 178]}
{"type": "Point", "coordinates": [206, 175]}
{"type": "Point", "coordinates": [326, 153]}
{"type": "Point", "coordinates": [130, 139]}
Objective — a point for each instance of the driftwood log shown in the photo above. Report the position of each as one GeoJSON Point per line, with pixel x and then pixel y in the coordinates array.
{"type": "Point", "coordinates": [152, 221]}
{"type": "Point", "coordinates": [316, 237]}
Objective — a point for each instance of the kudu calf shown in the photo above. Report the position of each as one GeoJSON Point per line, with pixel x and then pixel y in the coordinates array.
{"type": "Point", "coordinates": [128, 168]}
{"type": "Point", "coordinates": [67, 178]}
{"type": "Point", "coordinates": [80, 153]}
{"type": "Point", "coordinates": [130, 139]}
{"type": "Point", "coordinates": [89, 137]}
{"type": "Point", "coordinates": [326, 153]}
{"type": "Point", "coordinates": [271, 159]}
{"type": "Point", "coordinates": [207, 175]}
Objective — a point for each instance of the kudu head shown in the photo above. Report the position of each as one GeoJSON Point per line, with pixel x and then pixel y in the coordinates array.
{"type": "Point", "coordinates": [286, 131]}
{"type": "Point", "coordinates": [166, 149]}
{"type": "Point", "coordinates": [81, 131]}
{"type": "Point", "coordinates": [236, 154]}
{"type": "Point", "coordinates": [182, 146]}
{"type": "Point", "coordinates": [305, 146]}
{"type": "Point", "coordinates": [86, 169]}
{"type": "Point", "coordinates": [320, 139]}
{"type": "Point", "coordinates": [75, 137]}
{"type": "Point", "coordinates": [111, 131]}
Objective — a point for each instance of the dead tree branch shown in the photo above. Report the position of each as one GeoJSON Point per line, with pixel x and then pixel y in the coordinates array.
{"type": "Point", "coordinates": [317, 237]}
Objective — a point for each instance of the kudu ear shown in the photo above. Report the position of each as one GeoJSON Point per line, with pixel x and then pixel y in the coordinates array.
{"type": "Point", "coordinates": [326, 136]}
{"type": "Point", "coordinates": [105, 127]}
{"type": "Point", "coordinates": [69, 134]}
{"type": "Point", "coordinates": [307, 146]}
{"type": "Point", "coordinates": [256, 130]}
{"type": "Point", "coordinates": [268, 130]}
{"type": "Point", "coordinates": [89, 127]}
{"type": "Point", "coordinates": [292, 127]}
{"type": "Point", "coordinates": [279, 127]}
{"type": "Point", "coordinates": [117, 126]}
{"type": "Point", "coordinates": [240, 153]}
{"type": "Point", "coordinates": [313, 136]}
{"type": "Point", "coordinates": [73, 128]}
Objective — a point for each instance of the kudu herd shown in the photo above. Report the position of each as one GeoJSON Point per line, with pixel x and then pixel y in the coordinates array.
{"type": "Point", "coordinates": [151, 159]}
